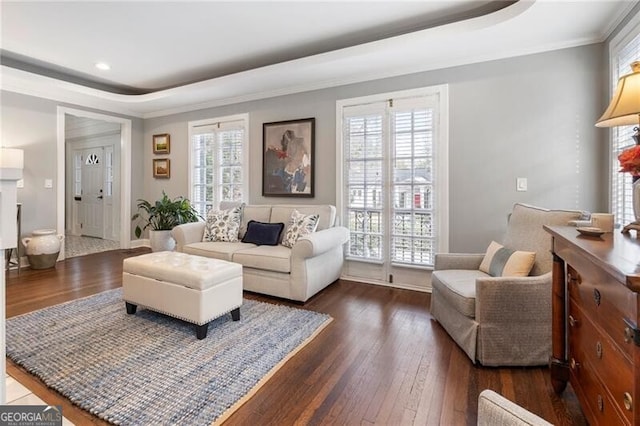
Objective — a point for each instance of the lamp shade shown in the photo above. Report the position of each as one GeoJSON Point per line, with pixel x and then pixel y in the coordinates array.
{"type": "Point", "coordinates": [624, 108]}
{"type": "Point", "coordinates": [11, 158]}
{"type": "Point", "coordinates": [11, 163]}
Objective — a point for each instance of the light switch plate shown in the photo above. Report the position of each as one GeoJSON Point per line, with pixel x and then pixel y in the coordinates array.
{"type": "Point", "coordinates": [20, 183]}
{"type": "Point", "coordinates": [521, 184]}
{"type": "Point", "coordinates": [48, 183]}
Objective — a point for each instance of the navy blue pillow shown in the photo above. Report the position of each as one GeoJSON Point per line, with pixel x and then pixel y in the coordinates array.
{"type": "Point", "coordinates": [263, 234]}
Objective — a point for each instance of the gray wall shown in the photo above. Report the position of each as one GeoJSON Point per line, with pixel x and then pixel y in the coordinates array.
{"type": "Point", "coordinates": [30, 123]}
{"type": "Point", "coordinates": [531, 116]}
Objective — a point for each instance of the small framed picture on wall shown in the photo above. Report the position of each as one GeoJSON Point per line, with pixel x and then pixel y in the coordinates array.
{"type": "Point", "coordinates": [162, 168]}
{"type": "Point", "coordinates": [161, 144]}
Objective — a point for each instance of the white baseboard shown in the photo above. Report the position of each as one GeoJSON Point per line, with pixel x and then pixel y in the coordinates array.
{"type": "Point", "coordinates": [386, 284]}
{"type": "Point", "coordinates": [144, 242]}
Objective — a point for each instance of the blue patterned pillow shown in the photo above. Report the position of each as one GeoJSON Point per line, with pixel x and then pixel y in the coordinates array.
{"type": "Point", "coordinates": [299, 226]}
{"type": "Point", "coordinates": [223, 225]}
{"type": "Point", "coordinates": [263, 234]}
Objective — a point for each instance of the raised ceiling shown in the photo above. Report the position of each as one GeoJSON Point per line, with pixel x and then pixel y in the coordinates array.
{"type": "Point", "coordinates": [169, 57]}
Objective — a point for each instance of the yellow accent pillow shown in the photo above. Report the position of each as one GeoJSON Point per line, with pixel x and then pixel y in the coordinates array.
{"type": "Point", "coordinates": [500, 261]}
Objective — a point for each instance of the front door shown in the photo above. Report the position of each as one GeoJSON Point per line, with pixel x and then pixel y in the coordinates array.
{"type": "Point", "coordinates": [92, 202]}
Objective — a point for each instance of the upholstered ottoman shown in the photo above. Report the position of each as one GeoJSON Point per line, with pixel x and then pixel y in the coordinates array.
{"type": "Point", "coordinates": [192, 288]}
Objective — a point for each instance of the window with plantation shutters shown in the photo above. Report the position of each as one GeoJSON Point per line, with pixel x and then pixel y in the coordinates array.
{"type": "Point", "coordinates": [625, 49]}
{"type": "Point", "coordinates": [412, 186]}
{"type": "Point", "coordinates": [364, 185]}
{"type": "Point", "coordinates": [388, 185]}
{"type": "Point", "coordinates": [218, 161]}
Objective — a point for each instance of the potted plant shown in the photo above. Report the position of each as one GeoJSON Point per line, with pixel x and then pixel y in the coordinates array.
{"type": "Point", "coordinates": [161, 217]}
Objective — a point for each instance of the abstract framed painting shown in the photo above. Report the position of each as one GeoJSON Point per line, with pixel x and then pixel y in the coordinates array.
{"type": "Point", "coordinates": [288, 158]}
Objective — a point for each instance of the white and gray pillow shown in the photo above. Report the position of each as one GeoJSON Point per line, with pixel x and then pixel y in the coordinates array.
{"type": "Point", "coordinates": [500, 261]}
{"type": "Point", "coordinates": [299, 226]}
{"type": "Point", "coordinates": [223, 225]}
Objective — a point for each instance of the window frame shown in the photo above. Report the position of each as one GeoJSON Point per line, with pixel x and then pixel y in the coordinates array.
{"type": "Point", "coordinates": [630, 31]}
{"type": "Point", "coordinates": [192, 125]}
{"type": "Point", "coordinates": [440, 168]}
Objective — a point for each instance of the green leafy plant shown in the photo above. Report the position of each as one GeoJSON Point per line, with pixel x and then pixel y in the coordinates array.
{"type": "Point", "coordinates": [164, 214]}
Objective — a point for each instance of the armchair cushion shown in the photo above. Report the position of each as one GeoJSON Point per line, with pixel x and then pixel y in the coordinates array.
{"type": "Point", "coordinates": [458, 287]}
{"type": "Point", "coordinates": [500, 261]}
{"type": "Point", "coordinates": [525, 232]}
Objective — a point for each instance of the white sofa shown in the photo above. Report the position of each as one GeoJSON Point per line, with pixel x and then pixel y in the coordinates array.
{"type": "Point", "coordinates": [297, 273]}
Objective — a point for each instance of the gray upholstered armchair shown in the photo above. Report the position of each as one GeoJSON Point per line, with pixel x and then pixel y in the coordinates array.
{"type": "Point", "coordinates": [501, 321]}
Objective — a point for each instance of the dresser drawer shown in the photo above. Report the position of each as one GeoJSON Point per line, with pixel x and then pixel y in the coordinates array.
{"type": "Point", "coordinates": [606, 302]}
{"type": "Point", "coordinates": [598, 407]}
{"type": "Point", "coordinates": [589, 346]}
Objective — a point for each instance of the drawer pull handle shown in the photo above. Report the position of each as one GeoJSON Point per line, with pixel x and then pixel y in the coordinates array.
{"type": "Point", "coordinates": [596, 296]}
{"type": "Point", "coordinates": [599, 349]}
{"type": "Point", "coordinates": [572, 321]}
{"type": "Point", "coordinates": [574, 364]}
{"type": "Point", "coordinates": [628, 334]}
{"type": "Point", "coordinates": [574, 277]}
{"type": "Point", "coordinates": [628, 401]}
{"type": "Point", "coordinates": [600, 403]}
{"type": "Point", "coordinates": [631, 332]}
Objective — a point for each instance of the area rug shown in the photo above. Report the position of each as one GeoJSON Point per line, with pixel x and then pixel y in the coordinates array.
{"type": "Point", "coordinates": [149, 368]}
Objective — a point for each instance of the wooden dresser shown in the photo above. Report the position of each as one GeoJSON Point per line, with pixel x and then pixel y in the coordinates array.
{"type": "Point", "coordinates": [596, 341]}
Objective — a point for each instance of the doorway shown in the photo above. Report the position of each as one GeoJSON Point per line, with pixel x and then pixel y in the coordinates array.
{"type": "Point", "coordinates": [92, 189]}
{"type": "Point", "coordinates": [94, 184]}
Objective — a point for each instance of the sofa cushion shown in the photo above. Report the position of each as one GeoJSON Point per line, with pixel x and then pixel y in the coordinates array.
{"type": "Point", "coordinates": [458, 287]}
{"type": "Point", "coordinates": [215, 249]}
{"type": "Point", "coordinates": [500, 261]}
{"type": "Point", "coordinates": [260, 233]}
{"type": "Point", "coordinates": [257, 213]}
{"type": "Point", "coordinates": [282, 213]}
{"type": "Point", "coordinates": [223, 225]}
{"type": "Point", "coordinates": [269, 258]}
{"type": "Point", "coordinates": [299, 226]}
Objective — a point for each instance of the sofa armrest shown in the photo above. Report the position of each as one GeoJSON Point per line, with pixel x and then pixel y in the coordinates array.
{"type": "Point", "coordinates": [494, 409]}
{"type": "Point", "coordinates": [458, 261]}
{"type": "Point", "coordinates": [512, 300]}
{"type": "Point", "coordinates": [187, 233]}
{"type": "Point", "coordinates": [320, 242]}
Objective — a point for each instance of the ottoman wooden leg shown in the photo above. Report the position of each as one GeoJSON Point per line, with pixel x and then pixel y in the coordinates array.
{"type": "Point", "coordinates": [131, 308]}
{"type": "Point", "coordinates": [235, 314]}
{"type": "Point", "coordinates": [201, 331]}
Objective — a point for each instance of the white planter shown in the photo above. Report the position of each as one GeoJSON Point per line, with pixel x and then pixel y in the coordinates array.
{"type": "Point", "coordinates": [161, 241]}
{"type": "Point", "coordinates": [42, 248]}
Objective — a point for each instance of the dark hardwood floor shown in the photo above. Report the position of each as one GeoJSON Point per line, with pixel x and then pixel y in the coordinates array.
{"type": "Point", "coordinates": [383, 360]}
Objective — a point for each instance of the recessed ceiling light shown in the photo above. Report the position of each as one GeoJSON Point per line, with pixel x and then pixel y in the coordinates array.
{"type": "Point", "coordinates": [103, 66]}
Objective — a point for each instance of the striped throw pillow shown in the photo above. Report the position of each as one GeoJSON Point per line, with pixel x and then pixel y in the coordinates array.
{"type": "Point", "coordinates": [500, 261]}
